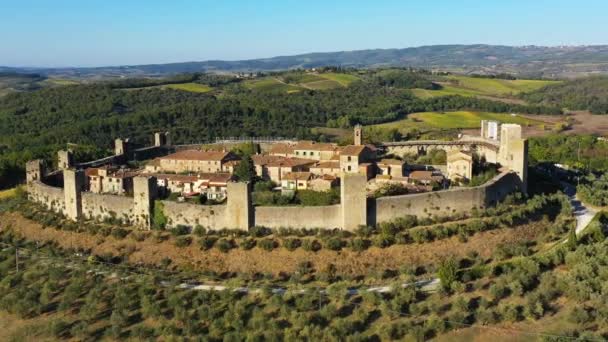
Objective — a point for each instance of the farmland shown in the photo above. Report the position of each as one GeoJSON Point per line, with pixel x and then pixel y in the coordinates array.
{"type": "Point", "coordinates": [455, 120]}
{"type": "Point", "coordinates": [476, 86]}
{"type": "Point", "coordinates": [191, 87]}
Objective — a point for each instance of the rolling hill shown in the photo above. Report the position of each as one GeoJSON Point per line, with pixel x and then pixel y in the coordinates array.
{"type": "Point", "coordinates": [486, 59]}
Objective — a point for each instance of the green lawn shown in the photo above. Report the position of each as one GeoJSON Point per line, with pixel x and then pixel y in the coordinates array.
{"type": "Point", "coordinates": [452, 120]}
{"type": "Point", "coordinates": [191, 87]}
{"type": "Point", "coordinates": [343, 79]}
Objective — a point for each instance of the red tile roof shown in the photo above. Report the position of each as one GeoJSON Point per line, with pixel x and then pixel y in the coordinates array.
{"type": "Point", "coordinates": [297, 176]}
{"type": "Point", "coordinates": [197, 155]}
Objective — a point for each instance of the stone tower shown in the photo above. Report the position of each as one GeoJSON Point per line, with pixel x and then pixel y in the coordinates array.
{"type": "Point", "coordinates": [65, 159]}
{"type": "Point", "coordinates": [239, 206]}
{"type": "Point", "coordinates": [159, 139]}
{"type": "Point", "coordinates": [34, 170]}
{"type": "Point", "coordinates": [513, 152]}
{"type": "Point", "coordinates": [144, 194]}
{"type": "Point", "coordinates": [121, 146]}
{"type": "Point", "coordinates": [353, 199]}
{"type": "Point", "coordinates": [358, 137]}
{"type": "Point", "coordinates": [73, 183]}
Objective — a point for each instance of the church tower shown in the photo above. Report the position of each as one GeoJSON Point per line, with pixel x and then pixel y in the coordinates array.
{"type": "Point", "coordinates": [358, 141]}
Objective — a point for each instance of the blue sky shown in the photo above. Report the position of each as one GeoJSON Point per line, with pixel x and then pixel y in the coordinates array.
{"type": "Point", "coordinates": [112, 32]}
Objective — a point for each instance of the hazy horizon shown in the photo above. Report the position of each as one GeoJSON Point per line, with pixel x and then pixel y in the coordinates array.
{"type": "Point", "coordinates": [72, 33]}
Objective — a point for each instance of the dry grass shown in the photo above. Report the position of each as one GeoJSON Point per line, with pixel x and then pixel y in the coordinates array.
{"type": "Point", "coordinates": [347, 262]}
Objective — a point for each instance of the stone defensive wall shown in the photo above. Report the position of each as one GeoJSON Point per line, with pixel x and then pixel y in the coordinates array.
{"type": "Point", "coordinates": [49, 196]}
{"type": "Point", "coordinates": [103, 206]}
{"type": "Point", "coordinates": [299, 217]}
{"type": "Point", "coordinates": [485, 147]}
{"type": "Point", "coordinates": [446, 202]}
{"type": "Point", "coordinates": [239, 213]}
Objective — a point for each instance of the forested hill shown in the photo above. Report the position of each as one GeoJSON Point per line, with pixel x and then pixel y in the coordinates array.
{"type": "Point", "coordinates": [527, 60]}
{"type": "Point", "coordinates": [37, 124]}
{"type": "Point", "coordinates": [582, 94]}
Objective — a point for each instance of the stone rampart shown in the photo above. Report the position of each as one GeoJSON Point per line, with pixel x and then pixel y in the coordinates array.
{"type": "Point", "coordinates": [299, 217]}
{"type": "Point", "coordinates": [238, 213]}
{"type": "Point", "coordinates": [103, 206]}
{"type": "Point", "coordinates": [209, 216]}
{"type": "Point", "coordinates": [446, 202]}
{"type": "Point", "coordinates": [49, 196]}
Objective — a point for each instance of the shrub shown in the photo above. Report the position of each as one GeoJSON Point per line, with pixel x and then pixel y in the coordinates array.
{"type": "Point", "coordinates": [421, 235]}
{"type": "Point", "coordinates": [267, 244]}
{"type": "Point", "coordinates": [183, 241]}
{"type": "Point", "coordinates": [334, 244]}
{"type": "Point", "coordinates": [311, 245]}
{"type": "Point", "coordinates": [259, 231]}
{"type": "Point", "coordinates": [119, 233]}
{"type": "Point", "coordinates": [291, 244]}
{"type": "Point", "coordinates": [224, 245]}
{"type": "Point", "coordinates": [359, 245]}
{"type": "Point", "coordinates": [180, 230]}
{"type": "Point", "coordinates": [447, 273]}
{"type": "Point", "coordinates": [364, 231]}
{"type": "Point", "coordinates": [383, 241]}
{"type": "Point", "coordinates": [247, 244]}
{"type": "Point", "coordinates": [578, 315]}
{"type": "Point", "coordinates": [207, 242]}
{"type": "Point", "coordinates": [105, 231]}
{"type": "Point", "coordinates": [199, 230]}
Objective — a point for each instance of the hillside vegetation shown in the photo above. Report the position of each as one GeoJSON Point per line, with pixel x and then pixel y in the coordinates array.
{"type": "Point", "coordinates": [582, 94]}
{"type": "Point", "coordinates": [454, 120]}
{"type": "Point", "coordinates": [37, 124]}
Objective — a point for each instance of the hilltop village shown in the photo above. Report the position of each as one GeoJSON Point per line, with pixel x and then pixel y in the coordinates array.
{"type": "Point", "coordinates": [174, 174]}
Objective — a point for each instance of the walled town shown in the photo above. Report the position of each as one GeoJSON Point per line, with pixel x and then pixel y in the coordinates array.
{"type": "Point", "coordinates": [198, 186]}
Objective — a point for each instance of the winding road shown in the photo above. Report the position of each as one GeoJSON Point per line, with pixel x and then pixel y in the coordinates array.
{"type": "Point", "coordinates": [584, 215]}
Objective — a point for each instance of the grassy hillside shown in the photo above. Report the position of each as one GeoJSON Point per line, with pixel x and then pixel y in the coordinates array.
{"type": "Point", "coordinates": [343, 79]}
{"type": "Point", "coordinates": [581, 94]}
{"type": "Point", "coordinates": [453, 120]}
{"type": "Point", "coordinates": [271, 84]}
{"type": "Point", "coordinates": [191, 87]}
{"type": "Point", "coordinates": [478, 86]}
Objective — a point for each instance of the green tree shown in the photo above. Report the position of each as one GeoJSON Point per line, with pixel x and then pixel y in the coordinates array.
{"type": "Point", "coordinates": [447, 273]}
{"type": "Point", "coordinates": [245, 170]}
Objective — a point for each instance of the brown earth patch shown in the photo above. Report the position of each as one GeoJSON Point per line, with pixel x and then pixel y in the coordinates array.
{"type": "Point", "coordinates": [347, 262]}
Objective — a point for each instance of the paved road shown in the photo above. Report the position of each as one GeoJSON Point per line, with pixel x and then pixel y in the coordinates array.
{"type": "Point", "coordinates": [584, 215]}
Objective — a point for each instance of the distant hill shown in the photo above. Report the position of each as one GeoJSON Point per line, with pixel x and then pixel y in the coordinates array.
{"type": "Point", "coordinates": [534, 61]}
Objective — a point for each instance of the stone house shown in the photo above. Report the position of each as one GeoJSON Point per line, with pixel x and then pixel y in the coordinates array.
{"type": "Point", "coordinates": [108, 180]}
{"type": "Point", "coordinates": [275, 167]}
{"type": "Point", "coordinates": [426, 177]}
{"type": "Point", "coordinates": [391, 167]}
{"type": "Point", "coordinates": [460, 165]}
{"type": "Point", "coordinates": [194, 161]}
{"type": "Point", "coordinates": [296, 181]}
{"type": "Point", "coordinates": [315, 150]}
{"type": "Point", "coordinates": [323, 183]}
{"type": "Point", "coordinates": [326, 167]}
{"type": "Point", "coordinates": [212, 185]}
{"type": "Point", "coordinates": [352, 156]}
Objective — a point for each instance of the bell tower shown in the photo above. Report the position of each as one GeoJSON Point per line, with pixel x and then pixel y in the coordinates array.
{"type": "Point", "coordinates": [358, 139]}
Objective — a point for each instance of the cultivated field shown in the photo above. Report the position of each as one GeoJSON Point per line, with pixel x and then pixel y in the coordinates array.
{"type": "Point", "coordinates": [191, 87]}
{"type": "Point", "coordinates": [482, 87]}
{"type": "Point", "coordinates": [455, 120]}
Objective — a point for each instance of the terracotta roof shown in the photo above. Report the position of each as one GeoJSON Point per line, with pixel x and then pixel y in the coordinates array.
{"type": "Point", "coordinates": [326, 178]}
{"type": "Point", "coordinates": [197, 155]}
{"type": "Point", "coordinates": [232, 163]}
{"type": "Point", "coordinates": [297, 176]}
{"type": "Point", "coordinates": [281, 149]}
{"type": "Point", "coordinates": [330, 164]}
{"type": "Point", "coordinates": [275, 161]}
{"type": "Point", "coordinates": [352, 150]}
{"type": "Point", "coordinates": [425, 175]}
{"type": "Point", "coordinates": [92, 171]}
{"type": "Point", "coordinates": [391, 162]}
{"type": "Point", "coordinates": [314, 146]}
{"type": "Point", "coordinates": [175, 177]}
{"type": "Point", "coordinates": [205, 177]}
{"type": "Point", "coordinates": [154, 162]}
